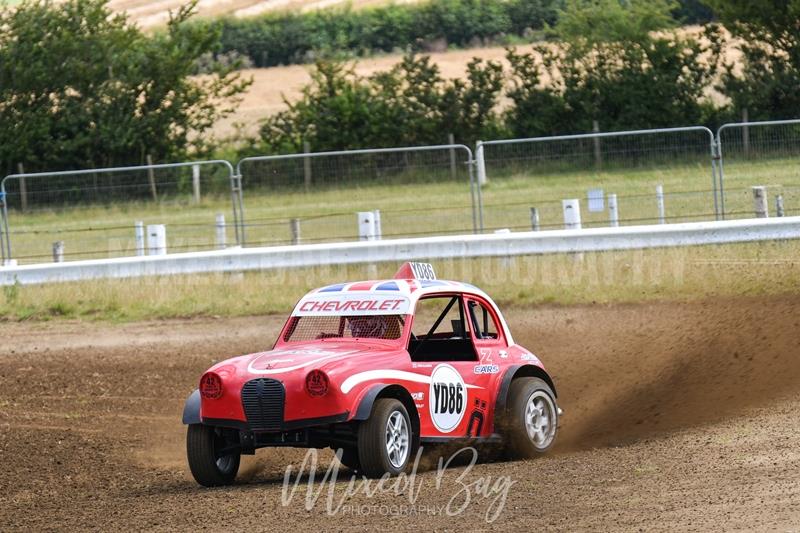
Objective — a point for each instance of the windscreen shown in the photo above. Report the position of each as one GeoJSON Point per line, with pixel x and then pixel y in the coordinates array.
{"type": "Point", "coordinates": [308, 328]}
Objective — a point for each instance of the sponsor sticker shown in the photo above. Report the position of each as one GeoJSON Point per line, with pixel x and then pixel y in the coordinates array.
{"type": "Point", "coordinates": [352, 305]}
{"type": "Point", "coordinates": [448, 398]}
{"type": "Point", "coordinates": [486, 369]}
{"type": "Point", "coordinates": [417, 396]}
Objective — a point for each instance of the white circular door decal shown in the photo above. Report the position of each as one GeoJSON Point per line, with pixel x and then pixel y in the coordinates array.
{"type": "Point", "coordinates": [447, 398]}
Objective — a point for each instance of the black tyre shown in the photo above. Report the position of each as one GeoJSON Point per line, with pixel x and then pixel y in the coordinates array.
{"type": "Point", "coordinates": [204, 449]}
{"type": "Point", "coordinates": [349, 458]}
{"type": "Point", "coordinates": [530, 422]}
{"type": "Point", "coordinates": [386, 439]}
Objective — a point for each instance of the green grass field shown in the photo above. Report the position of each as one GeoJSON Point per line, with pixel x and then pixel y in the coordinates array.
{"type": "Point", "coordinates": [419, 208]}
{"type": "Point", "coordinates": [592, 278]}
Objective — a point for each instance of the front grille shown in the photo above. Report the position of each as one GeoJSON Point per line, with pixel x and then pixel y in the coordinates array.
{"type": "Point", "coordinates": [263, 400]}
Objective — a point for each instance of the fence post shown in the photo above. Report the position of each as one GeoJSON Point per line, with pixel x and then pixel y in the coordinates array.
{"type": "Point", "coordinates": [58, 252]}
{"type": "Point", "coordinates": [151, 176]}
{"type": "Point", "coordinates": [196, 183]}
{"type": "Point", "coordinates": [451, 140]}
{"type": "Point", "coordinates": [760, 205]}
{"type": "Point", "coordinates": [221, 236]}
{"type": "Point", "coordinates": [717, 173]}
{"type": "Point", "coordinates": [572, 213]}
{"type": "Point", "coordinates": [613, 211]}
{"type": "Point", "coordinates": [5, 243]}
{"type": "Point", "coordinates": [534, 219]}
{"type": "Point", "coordinates": [475, 190]}
{"type": "Point", "coordinates": [237, 197]}
{"type": "Point", "coordinates": [376, 214]}
{"type": "Point", "coordinates": [307, 166]}
{"type": "Point", "coordinates": [23, 188]}
{"type": "Point", "coordinates": [139, 237]}
{"type": "Point", "coordinates": [598, 161]}
{"type": "Point", "coordinates": [660, 201]}
{"type": "Point", "coordinates": [481, 164]}
{"type": "Point", "coordinates": [779, 211]}
{"type": "Point", "coordinates": [295, 227]}
{"type": "Point", "coordinates": [745, 133]}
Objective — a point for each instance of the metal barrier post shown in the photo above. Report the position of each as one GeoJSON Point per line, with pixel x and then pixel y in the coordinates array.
{"type": "Point", "coordinates": [477, 227]}
{"type": "Point", "coordinates": [6, 255]}
{"type": "Point", "coordinates": [7, 240]}
{"type": "Point", "coordinates": [481, 163]}
{"type": "Point", "coordinates": [238, 207]}
{"type": "Point", "coordinates": [716, 177]}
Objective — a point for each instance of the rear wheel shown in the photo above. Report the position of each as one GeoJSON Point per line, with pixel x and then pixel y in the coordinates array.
{"type": "Point", "coordinates": [213, 454]}
{"type": "Point", "coordinates": [385, 439]}
{"type": "Point", "coordinates": [531, 418]}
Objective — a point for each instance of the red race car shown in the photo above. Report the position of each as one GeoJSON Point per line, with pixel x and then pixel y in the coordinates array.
{"type": "Point", "coordinates": [375, 368]}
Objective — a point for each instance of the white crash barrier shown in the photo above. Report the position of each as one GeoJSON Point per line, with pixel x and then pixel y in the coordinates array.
{"type": "Point", "coordinates": [401, 250]}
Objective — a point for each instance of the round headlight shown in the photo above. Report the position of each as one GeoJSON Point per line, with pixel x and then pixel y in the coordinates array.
{"type": "Point", "coordinates": [317, 383]}
{"type": "Point", "coordinates": [210, 386]}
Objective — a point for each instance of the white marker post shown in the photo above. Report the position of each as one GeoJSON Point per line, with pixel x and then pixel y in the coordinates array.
{"type": "Point", "coordinates": [572, 213]}
{"type": "Point", "coordinates": [534, 219]}
{"type": "Point", "coordinates": [376, 219]}
{"type": "Point", "coordinates": [366, 226]}
{"type": "Point", "coordinates": [156, 239]}
{"type": "Point", "coordinates": [760, 205]}
{"type": "Point", "coordinates": [662, 212]}
{"type": "Point", "coordinates": [139, 237]}
{"type": "Point", "coordinates": [613, 211]}
{"type": "Point", "coordinates": [221, 236]}
{"type": "Point", "coordinates": [58, 252]}
{"type": "Point", "coordinates": [196, 183]}
{"type": "Point", "coordinates": [779, 211]}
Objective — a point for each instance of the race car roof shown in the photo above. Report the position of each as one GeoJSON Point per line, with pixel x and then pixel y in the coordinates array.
{"type": "Point", "coordinates": [382, 297]}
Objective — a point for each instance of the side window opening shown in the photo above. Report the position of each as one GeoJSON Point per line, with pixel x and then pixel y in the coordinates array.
{"type": "Point", "coordinates": [482, 321]}
{"type": "Point", "coordinates": [441, 331]}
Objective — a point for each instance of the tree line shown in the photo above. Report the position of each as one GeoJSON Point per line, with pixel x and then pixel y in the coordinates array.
{"type": "Point", "coordinates": [82, 88]}
{"type": "Point", "coordinates": [285, 38]}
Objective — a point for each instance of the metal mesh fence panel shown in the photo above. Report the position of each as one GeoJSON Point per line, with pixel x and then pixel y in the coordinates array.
{"type": "Point", "coordinates": [539, 173]}
{"type": "Point", "coordinates": [760, 154]}
{"type": "Point", "coordinates": [308, 198]}
{"type": "Point", "coordinates": [93, 213]}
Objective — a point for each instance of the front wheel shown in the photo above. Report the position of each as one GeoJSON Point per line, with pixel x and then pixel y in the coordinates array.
{"type": "Point", "coordinates": [385, 439]}
{"type": "Point", "coordinates": [213, 454]}
{"type": "Point", "coordinates": [531, 418]}
{"type": "Point", "coordinates": [349, 458]}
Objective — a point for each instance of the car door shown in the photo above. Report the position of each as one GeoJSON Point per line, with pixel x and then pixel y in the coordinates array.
{"type": "Point", "coordinates": [492, 350]}
{"type": "Point", "coordinates": [441, 346]}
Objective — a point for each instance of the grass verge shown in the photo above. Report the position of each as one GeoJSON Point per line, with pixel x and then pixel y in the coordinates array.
{"type": "Point", "coordinates": [607, 277]}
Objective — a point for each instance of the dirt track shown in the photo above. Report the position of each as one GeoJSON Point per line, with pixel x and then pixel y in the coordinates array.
{"type": "Point", "coordinates": [676, 416]}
